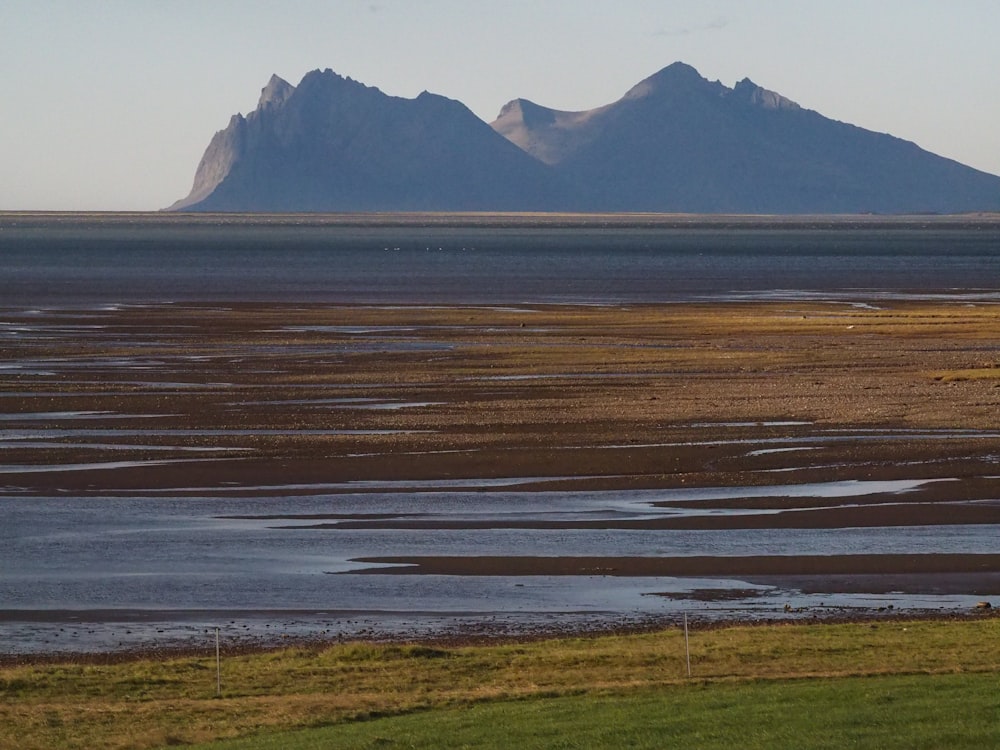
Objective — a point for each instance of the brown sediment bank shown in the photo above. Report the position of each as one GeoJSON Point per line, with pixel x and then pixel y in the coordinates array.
{"type": "Point", "coordinates": [828, 574]}
{"type": "Point", "coordinates": [637, 396]}
{"type": "Point", "coordinates": [767, 565]}
{"type": "Point", "coordinates": [170, 397]}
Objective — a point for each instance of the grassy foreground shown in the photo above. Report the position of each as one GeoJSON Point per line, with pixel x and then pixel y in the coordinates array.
{"type": "Point", "coordinates": [905, 712]}
{"type": "Point", "coordinates": [885, 684]}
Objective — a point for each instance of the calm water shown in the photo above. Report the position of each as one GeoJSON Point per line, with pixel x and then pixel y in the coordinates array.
{"type": "Point", "coordinates": [151, 568]}
{"type": "Point", "coordinates": [108, 571]}
{"type": "Point", "coordinates": [96, 263]}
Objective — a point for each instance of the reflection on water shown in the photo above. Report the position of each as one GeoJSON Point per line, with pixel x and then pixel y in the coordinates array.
{"type": "Point", "coordinates": [218, 554]}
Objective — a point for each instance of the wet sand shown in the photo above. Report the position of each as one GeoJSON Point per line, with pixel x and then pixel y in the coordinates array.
{"type": "Point", "coordinates": [646, 396]}
{"type": "Point", "coordinates": [872, 573]}
{"type": "Point", "coordinates": [272, 400]}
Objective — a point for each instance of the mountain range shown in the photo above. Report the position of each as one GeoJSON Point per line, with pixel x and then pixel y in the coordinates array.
{"type": "Point", "coordinates": [675, 142]}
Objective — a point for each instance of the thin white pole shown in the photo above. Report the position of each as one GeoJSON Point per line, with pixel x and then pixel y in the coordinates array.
{"type": "Point", "coordinates": [218, 666]}
{"type": "Point", "coordinates": [687, 645]}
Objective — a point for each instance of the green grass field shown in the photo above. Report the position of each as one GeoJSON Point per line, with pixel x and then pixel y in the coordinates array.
{"type": "Point", "coordinates": [887, 684]}
{"type": "Point", "coordinates": [940, 711]}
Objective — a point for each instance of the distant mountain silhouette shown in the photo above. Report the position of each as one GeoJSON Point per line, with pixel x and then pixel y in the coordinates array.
{"type": "Point", "coordinates": [333, 144]}
{"type": "Point", "coordinates": [675, 142]}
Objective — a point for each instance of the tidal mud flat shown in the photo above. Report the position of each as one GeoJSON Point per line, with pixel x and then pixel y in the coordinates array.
{"type": "Point", "coordinates": [329, 470]}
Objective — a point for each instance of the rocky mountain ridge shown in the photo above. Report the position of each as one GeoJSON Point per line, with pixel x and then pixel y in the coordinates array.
{"type": "Point", "coordinates": [674, 142]}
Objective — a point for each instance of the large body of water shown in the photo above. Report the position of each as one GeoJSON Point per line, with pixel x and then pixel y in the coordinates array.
{"type": "Point", "coordinates": [84, 572]}
{"type": "Point", "coordinates": [66, 262]}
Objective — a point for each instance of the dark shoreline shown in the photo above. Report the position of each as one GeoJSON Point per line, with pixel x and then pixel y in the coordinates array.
{"type": "Point", "coordinates": [487, 634]}
{"type": "Point", "coordinates": [500, 220]}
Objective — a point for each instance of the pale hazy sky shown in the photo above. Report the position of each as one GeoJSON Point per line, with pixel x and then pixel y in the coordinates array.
{"type": "Point", "coordinates": [109, 104]}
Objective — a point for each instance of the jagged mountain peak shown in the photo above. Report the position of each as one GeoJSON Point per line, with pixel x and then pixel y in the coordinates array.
{"type": "Point", "coordinates": [527, 112]}
{"type": "Point", "coordinates": [430, 98]}
{"type": "Point", "coordinates": [335, 144]}
{"type": "Point", "coordinates": [677, 77]}
{"type": "Point", "coordinates": [748, 91]}
{"type": "Point", "coordinates": [328, 80]}
{"type": "Point", "coordinates": [275, 93]}
{"type": "Point", "coordinates": [547, 134]}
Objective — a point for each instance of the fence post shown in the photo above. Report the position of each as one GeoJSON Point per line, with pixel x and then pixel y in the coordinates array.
{"type": "Point", "coordinates": [218, 666]}
{"type": "Point", "coordinates": [687, 645]}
